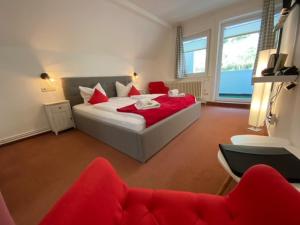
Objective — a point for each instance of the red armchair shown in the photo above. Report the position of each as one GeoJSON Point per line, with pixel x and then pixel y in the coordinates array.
{"type": "Point", "coordinates": [5, 217]}
{"type": "Point", "coordinates": [158, 87]}
{"type": "Point", "coordinates": [263, 197]}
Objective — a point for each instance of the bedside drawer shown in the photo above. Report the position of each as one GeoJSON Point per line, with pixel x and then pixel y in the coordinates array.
{"type": "Point", "coordinates": [60, 107]}
{"type": "Point", "coordinates": [59, 116]}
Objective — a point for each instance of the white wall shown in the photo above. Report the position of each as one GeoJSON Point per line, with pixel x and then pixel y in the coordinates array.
{"type": "Point", "coordinates": [287, 107]}
{"type": "Point", "coordinates": [96, 38]}
{"type": "Point", "coordinates": [67, 38]}
{"type": "Point", "coordinates": [211, 21]}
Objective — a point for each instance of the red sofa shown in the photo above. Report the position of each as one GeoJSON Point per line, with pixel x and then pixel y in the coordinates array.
{"type": "Point", "coordinates": [99, 197]}
{"type": "Point", "coordinates": [157, 87]}
{"type": "Point", "coordinates": [5, 217]}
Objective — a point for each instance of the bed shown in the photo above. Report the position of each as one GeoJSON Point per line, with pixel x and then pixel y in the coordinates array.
{"type": "Point", "coordinates": [126, 134]}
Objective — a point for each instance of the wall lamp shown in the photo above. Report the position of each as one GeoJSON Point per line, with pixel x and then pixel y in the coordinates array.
{"type": "Point", "coordinates": [45, 76]}
{"type": "Point", "coordinates": [135, 74]}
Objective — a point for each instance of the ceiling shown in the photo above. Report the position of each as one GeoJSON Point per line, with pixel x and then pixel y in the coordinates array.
{"type": "Point", "coordinates": [174, 11]}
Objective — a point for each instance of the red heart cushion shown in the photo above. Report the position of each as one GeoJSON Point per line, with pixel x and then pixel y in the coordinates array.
{"type": "Point", "coordinates": [133, 91]}
{"type": "Point", "coordinates": [98, 97]}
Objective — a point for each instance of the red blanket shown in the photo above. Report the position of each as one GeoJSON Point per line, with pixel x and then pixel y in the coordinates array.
{"type": "Point", "coordinates": [168, 107]}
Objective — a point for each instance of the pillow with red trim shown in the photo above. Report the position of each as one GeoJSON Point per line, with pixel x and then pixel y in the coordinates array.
{"type": "Point", "coordinates": [133, 91]}
{"type": "Point", "coordinates": [98, 97]}
{"type": "Point", "coordinates": [86, 93]}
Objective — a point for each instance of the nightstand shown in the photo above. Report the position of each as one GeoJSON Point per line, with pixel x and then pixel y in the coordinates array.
{"type": "Point", "coordinates": [59, 115]}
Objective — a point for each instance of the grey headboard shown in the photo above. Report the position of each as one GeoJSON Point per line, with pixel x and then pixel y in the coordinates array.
{"type": "Point", "coordinates": [70, 86]}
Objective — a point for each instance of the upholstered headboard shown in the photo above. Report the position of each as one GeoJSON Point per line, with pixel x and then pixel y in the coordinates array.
{"type": "Point", "coordinates": [70, 86]}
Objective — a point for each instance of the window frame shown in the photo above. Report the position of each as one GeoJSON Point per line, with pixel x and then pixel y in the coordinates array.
{"type": "Point", "coordinates": [205, 33]}
{"type": "Point", "coordinates": [227, 22]}
{"type": "Point", "coordinates": [222, 25]}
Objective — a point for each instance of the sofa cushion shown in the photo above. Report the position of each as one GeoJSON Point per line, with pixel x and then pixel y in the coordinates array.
{"type": "Point", "coordinates": [157, 87]}
{"type": "Point", "coordinates": [163, 207]}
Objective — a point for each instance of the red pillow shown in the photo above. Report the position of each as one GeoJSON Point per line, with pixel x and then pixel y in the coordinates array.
{"type": "Point", "coordinates": [98, 97]}
{"type": "Point", "coordinates": [133, 91]}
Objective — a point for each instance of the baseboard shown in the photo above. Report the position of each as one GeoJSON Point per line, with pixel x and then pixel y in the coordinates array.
{"type": "Point", "coordinates": [230, 104]}
{"type": "Point", "coordinates": [23, 135]}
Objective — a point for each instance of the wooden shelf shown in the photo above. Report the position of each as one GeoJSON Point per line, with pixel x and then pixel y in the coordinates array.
{"type": "Point", "coordinates": [273, 79]}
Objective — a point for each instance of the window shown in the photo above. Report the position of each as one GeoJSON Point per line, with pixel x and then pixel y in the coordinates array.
{"type": "Point", "coordinates": [239, 46]}
{"type": "Point", "coordinates": [195, 54]}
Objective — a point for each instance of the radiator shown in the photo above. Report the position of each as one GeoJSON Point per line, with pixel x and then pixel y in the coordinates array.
{"type": "Point", "coordinates": [190, 87]}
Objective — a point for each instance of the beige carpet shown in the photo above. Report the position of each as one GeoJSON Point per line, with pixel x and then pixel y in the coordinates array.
{"type": "Point", "coordinates": [35, 172]}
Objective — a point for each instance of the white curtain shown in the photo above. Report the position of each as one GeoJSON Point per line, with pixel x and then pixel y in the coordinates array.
{"type": "Point", "coordinates": [180, 64]}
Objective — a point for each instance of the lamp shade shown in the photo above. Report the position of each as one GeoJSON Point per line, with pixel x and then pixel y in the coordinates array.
{"type": "Point", "coordinates": [263, 61]}
{"type": "Point", "coordinates": [45, 76]}
{"type": "Point", "coordinates": [261, 92]}
{"type": "Point", "coordinates": [259, 104]}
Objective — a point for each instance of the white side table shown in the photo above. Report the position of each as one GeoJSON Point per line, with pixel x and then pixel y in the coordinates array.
{"type": "Point", "coordinates": [255, 140]}
{"type": "Point", "coordinates": [59, 115]}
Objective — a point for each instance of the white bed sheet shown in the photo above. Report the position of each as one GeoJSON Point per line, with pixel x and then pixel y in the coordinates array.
{"type": "Point", "coordinates": [116, 118]}
{"type": "Point", "coordinates": [107, 111]}
{"type": "Point", "coordinates": [118, 102]}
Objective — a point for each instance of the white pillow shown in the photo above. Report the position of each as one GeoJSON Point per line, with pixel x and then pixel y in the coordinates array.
{"type": "Point", "coordinates": [86, 93]}
{"type": "Point", "coordinates": [122, 90]}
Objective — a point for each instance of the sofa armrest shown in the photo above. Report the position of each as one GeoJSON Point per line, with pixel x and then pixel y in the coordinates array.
{"type": "Point", "coordinates": [264, 197]}
{"type": "Point", "coordinates": [95, 196]}
{"type": "Point", "coordinates": [5, 217]}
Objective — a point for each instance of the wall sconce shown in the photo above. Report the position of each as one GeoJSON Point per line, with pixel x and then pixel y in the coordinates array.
{"type": "Point", "coordinates": [135, 75]}
{"type": "Point", "coordinates": [261, 93]}
{"type": "Point", "coordinates": [49, 85]}
{"type": "Point", "coordinates": [45, 76]}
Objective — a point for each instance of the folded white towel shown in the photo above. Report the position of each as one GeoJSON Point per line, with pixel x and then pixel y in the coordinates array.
{"type": "Point", "coordinates": [173, 92]}
{"type": "Point", "coordinates": [147, 96]}
{"type": "Point", "coordinates": [147, 104]}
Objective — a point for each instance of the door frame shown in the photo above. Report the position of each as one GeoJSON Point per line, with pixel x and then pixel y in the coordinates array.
{"type": "Point", "coordinates": [222, 25]}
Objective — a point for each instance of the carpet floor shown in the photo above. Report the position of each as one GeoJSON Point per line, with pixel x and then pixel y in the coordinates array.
{"type": "Point", "coordinates": [35, 172]}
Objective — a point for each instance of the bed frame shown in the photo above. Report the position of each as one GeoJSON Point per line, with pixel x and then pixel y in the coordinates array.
{"type": "Point", "coordinates": [139, 145]}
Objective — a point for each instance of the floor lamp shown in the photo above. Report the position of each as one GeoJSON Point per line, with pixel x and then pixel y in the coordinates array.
{"type": "Point", "coordinates": [261, 93]}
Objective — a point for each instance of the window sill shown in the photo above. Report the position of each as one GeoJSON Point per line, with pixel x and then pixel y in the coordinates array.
{"type": "Point", "coordinates": [193, 76]}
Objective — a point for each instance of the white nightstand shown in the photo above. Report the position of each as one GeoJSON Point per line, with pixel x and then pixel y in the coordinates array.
{"type": "Point", "coordinates": [59, 115]}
